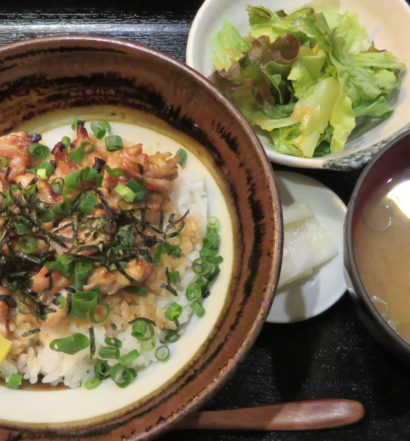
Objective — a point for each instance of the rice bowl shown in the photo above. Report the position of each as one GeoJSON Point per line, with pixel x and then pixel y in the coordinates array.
{"type": "Point", "coordinates": [47, 76]}
{"type": "Point", "coordinates": [31, 354]}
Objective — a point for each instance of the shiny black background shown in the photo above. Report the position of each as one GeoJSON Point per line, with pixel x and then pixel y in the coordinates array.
{"type": "Point", "coordinates": [329, 356]}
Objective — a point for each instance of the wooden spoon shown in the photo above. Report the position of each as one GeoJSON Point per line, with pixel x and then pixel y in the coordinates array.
{"type": "Point", "coordinates": [299, 415]}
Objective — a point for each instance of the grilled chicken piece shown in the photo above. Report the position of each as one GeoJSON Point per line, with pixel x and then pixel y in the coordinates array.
{"type": "Point", "coordinates": [111, 281]}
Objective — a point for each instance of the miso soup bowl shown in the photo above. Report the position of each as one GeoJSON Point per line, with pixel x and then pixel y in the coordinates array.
{"type": "Point", "coordinates": [395, 157]}
{"type": "Point", "coordinates": [70, 73]}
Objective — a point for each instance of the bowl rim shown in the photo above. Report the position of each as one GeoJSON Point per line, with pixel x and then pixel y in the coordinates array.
{"type": "Point", "coordinates": [323, 162]}
{"type": "Point", "coordinates": [400, 346]}
{"type": "Point", "coordinates": [217, 381]}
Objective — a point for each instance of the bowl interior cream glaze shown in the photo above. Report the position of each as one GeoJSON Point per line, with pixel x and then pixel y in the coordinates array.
{"type": "Point", "coordinates": [386, 23]}
{"type": "Point", "coordinates": [55, 74]}
{"type": "Point", "coordinates": [34, 406]}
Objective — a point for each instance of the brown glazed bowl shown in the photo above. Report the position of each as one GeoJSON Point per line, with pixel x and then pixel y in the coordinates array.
{"type": "Point", "coordinates": [56, 73]}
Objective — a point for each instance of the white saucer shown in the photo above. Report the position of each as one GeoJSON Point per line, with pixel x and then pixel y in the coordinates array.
{"type": "Point", "coordinates": [309, 297]}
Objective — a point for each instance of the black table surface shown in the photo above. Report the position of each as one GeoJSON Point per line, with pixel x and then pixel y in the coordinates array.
{"type": "Point", "coordinates": [330, 356]}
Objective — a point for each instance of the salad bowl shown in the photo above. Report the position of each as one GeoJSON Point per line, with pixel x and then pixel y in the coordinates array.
{"type": "Point", "coordinates": [387, 26]}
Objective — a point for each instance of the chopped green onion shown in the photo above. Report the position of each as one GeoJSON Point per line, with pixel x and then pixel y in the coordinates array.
{"type": "Point", "coordinates": [174, 276]}
{"type": "Point", "coordinates": [87, 147]}
{"type": "Point", "coordinates": [211, 240]}
{"type": "Point", "coordinates": [39, 151]}
{"type": "Point", "coordinates": [28, 244]}
{"type": "Point", "coordinates": [113, 143]}
{"type": "Point", "coordinates": [100, 128]}
{"type": "Point", "coordinates": [64, 264]}
{"type": "Point", "coordinates": [114, 172]}
{"type": "Point", "coordinates": [61, 208]}
{"type": "Point", "coordinates": [102, 369]}
{"type": "Point", "coordinates": [213, 222]}
{"type": "Point", "coordinates": [201, 266]}
{"type": "Point", "coordinates": [162, 353]}
{"type": "Point", "coordinates": [67, 198]}
{"type": "Point", "coordinates": [92, 383]}
{"type": "Point", "coordinates": [197, 308]}
{"type": "Point", "coordinates": [182, 155]}
{"type": "Point", "coordinates": [61, 301]}
{"type": "Point", "coordinates": [137, 290]}
{"type": "Point", "coordinates": [125, 192]}
{"type": "Point", "coordinates": [73, 180]}
{"type": "Point", "coordinates": [45, 215]}
{"type": "Point", "coordinates": [172, 337]}
{"type": "Point", "coordinates": [138, 188]}
{"type": "Point", "coordinates": [204, 268]}
{"type": "Point", "coordinates": [57, 185]}
{"type": "Point", "coordinates": [125, 237]}
{"type": "Point", "coordinates": [42, 173]}
{"type": "Point", "coordinates": [166, 248]}
{"type": "Point", "coordinates": [142, 330]}
{"type": "Point", "coordinates": [74, 122]}
{"type": "Point", "coordinates": [104, 316]}
{"type": "Point", "coordinates": [83, 302]}
{"type": "Point", "coordinates": [70, 345]}
{"type": "Point", "coordinates": [122, 376]}
{"type": "Point", "coordinates": [129, 357]}
{"type": "Point", "coordinates": [13, 381]}
{"type": "Point", "coordinates": [87, 203]}
{"type": "Point", "coordinates": [82, 270]}
{"type": "Point", "coordinates": [195, 290]}
{"type": "Point", "coordinates": [44, 170]}
{"type": "Point", "coordinates": [109, 352]}
{"type": "Point", "coordinates": [66, 141]}
{"type": "Point", "coordinates": [173, 311]}
{"type": "Point", "coordinates": [77, 155]}
{"type": "Point", "coordinates": [89, 174]}
{"type": "Point", "coordinates": [21, 228]}
{"type": "Point", "coordinates": [148, 345]}
{"type": "Point", "coordinates": [3, 161]}
{"type": "Point", "coordinates": [112, 341]}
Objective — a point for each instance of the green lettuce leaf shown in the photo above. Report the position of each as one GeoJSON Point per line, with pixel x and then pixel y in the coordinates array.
{"type": "Point", "coordinates": [314, 111]}
{"type": "Point", "coordinates": [274, 118]}
{"type": "Point", "coordinates": [342, 120]}
{"type": "Point", "coordinates": [283, 140]}
{"type": "Point", "coordinates": [374, 109]}
{"type": "Point", "coordinates": [262, 21]}
{"type": "Point", "coordinates": [349, 37]}
{"type": "Point", "coordinates": [377, 59]}
{"type": "Point", "coordinates": [307, 69]}
{"type": "Point", "coordinates": [227, 46]}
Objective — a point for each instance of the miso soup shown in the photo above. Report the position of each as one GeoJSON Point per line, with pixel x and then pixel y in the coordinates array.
{"type": "Point", "coordinates": [381, 241]}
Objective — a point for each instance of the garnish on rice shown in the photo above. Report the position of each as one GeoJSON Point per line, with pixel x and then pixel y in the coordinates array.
{"type": "Point", "coordinates": [96, 259]}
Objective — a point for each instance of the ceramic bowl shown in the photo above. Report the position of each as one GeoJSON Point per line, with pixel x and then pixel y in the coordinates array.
{"type": "Point", "coordinates": [387, 25]}
{"type": "Point", "coordinates": [392, 159]}
{"type": "Point", "coordinates": [56, 75]}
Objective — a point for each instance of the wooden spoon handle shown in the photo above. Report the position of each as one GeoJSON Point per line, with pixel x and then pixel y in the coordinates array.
{"type": "Point", "coordinates": [299, 415]}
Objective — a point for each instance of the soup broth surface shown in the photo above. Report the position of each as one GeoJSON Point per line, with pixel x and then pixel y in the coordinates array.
{"type": "Point", "coordinates": [382, 251]}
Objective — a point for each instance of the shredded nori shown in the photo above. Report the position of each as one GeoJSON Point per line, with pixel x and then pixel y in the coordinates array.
{"type": "Point", "coordinates": [30, 332]}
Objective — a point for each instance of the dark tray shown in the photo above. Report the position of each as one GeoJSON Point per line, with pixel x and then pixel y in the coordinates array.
{"type": "Point", "coordinates": [329, 356]}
